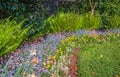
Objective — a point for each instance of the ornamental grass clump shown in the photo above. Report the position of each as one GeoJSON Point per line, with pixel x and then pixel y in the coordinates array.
{"type": "Point", "coordinates": [62, 22]}
{"type": "Point", "coordinates": [91, 22]}
{"type": "Point", "coordinates": [11, 35]}
{"type": "Point", "coordinates": [114, 21]}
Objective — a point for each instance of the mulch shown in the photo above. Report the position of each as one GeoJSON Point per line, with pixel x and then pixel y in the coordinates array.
{"type": "Point", "coordinates": [73, 63]}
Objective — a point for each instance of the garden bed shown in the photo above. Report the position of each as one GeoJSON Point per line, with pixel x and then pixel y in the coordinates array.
{"type": "Point", "coordinates": [37, 52]}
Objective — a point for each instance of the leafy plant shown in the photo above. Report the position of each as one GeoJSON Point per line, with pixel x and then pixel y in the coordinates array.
{"type": "Point", "coordinates": [91, 22]}
{"type": "Point", "coordinates": [71, 22]}
{"type": "Point", "coordinates": [114, 21]}
{"type": "Point", "coordinates": [62, 22]}
{"type": "Point", "coordinates": [11, 35]}
{"type": "Point", "coordinates": [18, 71]}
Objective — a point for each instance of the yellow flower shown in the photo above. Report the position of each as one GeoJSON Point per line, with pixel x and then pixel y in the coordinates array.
{"type": "Point", "coordinates": [63, 42]}
{"type": "Point", "coordinates": [61, 52]}
{"type": "Point", "coordinates": [67, 39]}
{"type": "Point", "coordinates": [54, 56]}
{"type": "Point", "coordinates": [44, 64]}
{"type": "Point", "coordinates": [118, 34]}
{"type": "Point", "coordinates": [48, 57]}
{"type": "Point", "coordinates": [48, 66]}
{"type": "Point", "coordinates": [60, 49]}
{"type": "Point", "coordinates": [83, 38]}
{"type": "Point", "coordinates": [110, 34]}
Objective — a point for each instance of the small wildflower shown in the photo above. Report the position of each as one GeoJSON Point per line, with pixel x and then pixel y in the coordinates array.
{"type": "Point", "coordinates": [48, 57]}
{"type": "Point", "coordinates": [54, 57]}
{"type": "Point", "coordinates": [31, 75]}
{"type": "Point", "coordinates": [65, 70]}
{"type": "Point", "coordinates": [44, 64]}
{"type": "Point", "coordinates": [54, 61]}
{"type": "Point", "coordinates": [32, 52]}
{"type": "Point", "coordinates": [35, 60]}
{"type": "Point", "coordinates": [48, 62]}
{"type": "Point", "coordinates": [61, 52]}
{"type": "Point", "coordinates": [48, 66]}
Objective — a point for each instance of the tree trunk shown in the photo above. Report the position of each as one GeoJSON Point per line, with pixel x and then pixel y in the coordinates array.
{"type": "Point", "coordinates": [93, 6]}
{"type": "Point", "coordinates": [92, 11]}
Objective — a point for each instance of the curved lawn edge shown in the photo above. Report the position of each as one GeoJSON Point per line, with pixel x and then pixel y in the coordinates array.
{"type": "Point", "coordinates": [100, 60]}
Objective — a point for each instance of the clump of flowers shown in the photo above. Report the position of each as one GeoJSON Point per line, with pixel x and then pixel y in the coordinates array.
{"type": "Point", "coordinates": [57, 63]}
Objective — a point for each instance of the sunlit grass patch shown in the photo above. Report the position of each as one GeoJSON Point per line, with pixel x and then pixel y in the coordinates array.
{"type": "Point", "coordinates": [100, 59]}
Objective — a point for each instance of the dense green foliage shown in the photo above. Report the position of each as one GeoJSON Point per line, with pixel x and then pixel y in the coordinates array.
{"type": "Point", "coordinates": [34, 10]}
{"type": "Point", "coordinates": [90, 22]}
{"type": "Point", "coordinates": [83, 6]}
{"type": "Point", "coordinates": [62, 22]}
{"type": "Point", "coordinates": [11, 35]}
{"type": "Point", "coordinates": [71, 22]}
{"type": "Point", "coordinates": [114, 21]}
{"type": "Point", "coordinates": [26, 8]}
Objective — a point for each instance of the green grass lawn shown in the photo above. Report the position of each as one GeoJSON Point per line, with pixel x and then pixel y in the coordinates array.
{"type": "Point", "coordinates": [99, 59]}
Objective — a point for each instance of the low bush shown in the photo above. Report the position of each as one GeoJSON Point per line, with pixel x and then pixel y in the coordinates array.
{"type": "Point", "coordinates": [11, 35]}
{"type": "Point", "coordinates": [62, 22]}
{"type": "Point", "coordinates": [71, 22]}
{"type": "Point", "coordinates": [91, 22]}
{"type": "Point", "coordinates": [114, 21]}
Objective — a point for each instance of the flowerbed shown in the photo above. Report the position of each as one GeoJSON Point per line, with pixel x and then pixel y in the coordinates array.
{"type": "Point", "coordinates": [53, 56]}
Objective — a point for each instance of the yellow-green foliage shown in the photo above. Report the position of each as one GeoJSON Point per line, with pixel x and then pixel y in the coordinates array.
{"type": "Point", "coordinates": [62, 22]}
{"type": "Point", "coordinates": [114, 21]}
{"type": "Point", "coordinates": [71, 21]}
{"type": "Point", "coordinates": [91, 22]}
{"type": "Point", "coordinates": [11, 35]}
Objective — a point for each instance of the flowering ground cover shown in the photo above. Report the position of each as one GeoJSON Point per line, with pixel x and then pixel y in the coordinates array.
{"type": "Point", "coordinates": [67, 54]}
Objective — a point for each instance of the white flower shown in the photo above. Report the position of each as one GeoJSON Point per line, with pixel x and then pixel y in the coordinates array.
{"type": "Point", "coordinates": [65, 69]}
{"type": "Point", "coordinates": [32, 52]}
{"type": "Point", "coordinates": [31, 75]}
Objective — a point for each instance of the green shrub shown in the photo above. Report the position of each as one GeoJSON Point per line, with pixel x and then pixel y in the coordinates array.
{"type": "Point", "coordinates": [91, 22]}
{"type": "Point", "coordinates": [114, 21]}
{"type": "Point", "coordinates": [62, 22]}
{"type": "Point", "coordinates": [11, 35]}
{"type": "Point", "coordinates": [71, 21]}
